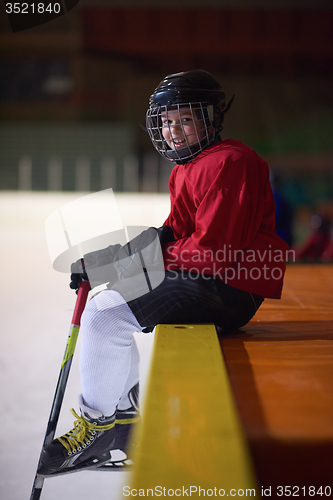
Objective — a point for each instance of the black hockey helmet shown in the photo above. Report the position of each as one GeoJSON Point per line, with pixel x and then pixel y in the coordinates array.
{"type": "Point", "coordinates": [197, 90]}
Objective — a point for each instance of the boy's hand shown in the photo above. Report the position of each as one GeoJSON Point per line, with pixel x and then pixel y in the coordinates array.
{"type": "Point", "coordinates": [97, 265]}
{"type": "Point", "coordinates": [78, 274]}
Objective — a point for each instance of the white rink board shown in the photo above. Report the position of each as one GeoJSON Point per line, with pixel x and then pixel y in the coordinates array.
{"type": "Point", "coordinates": [36, 311]}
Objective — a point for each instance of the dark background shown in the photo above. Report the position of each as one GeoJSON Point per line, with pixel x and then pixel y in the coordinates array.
{"type": "Point", "coordinates": [78, 86]}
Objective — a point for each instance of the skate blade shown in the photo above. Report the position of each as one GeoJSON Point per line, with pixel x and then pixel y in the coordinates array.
{"type": "Point", "coordinates": [118, 461]}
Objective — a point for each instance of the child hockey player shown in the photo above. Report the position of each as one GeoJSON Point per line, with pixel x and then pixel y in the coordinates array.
{"type": "Point", "coordinates": [221, 258]}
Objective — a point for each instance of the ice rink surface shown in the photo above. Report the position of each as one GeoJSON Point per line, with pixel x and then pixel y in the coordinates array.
{"type": "Point", "coordinates": [36, 311]}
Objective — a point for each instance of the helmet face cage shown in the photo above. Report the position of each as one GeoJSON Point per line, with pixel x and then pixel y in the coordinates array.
{"type": "Point", "coordinates": [162, 120]}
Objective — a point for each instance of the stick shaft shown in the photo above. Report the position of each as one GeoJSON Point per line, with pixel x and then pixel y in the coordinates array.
{"type": "Point", "coordinates": [62, 380]}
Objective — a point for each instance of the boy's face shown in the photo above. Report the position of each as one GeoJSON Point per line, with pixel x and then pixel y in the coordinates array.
{"type": "Point", "coordinates": [181, 128]}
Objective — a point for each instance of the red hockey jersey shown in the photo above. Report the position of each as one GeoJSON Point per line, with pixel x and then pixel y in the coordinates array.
{"type": "Point", "coordinates": [223, 218]}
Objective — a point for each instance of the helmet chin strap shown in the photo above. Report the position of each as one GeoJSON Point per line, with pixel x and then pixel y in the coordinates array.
{"type": "Point", "coordinates": [184, 155]}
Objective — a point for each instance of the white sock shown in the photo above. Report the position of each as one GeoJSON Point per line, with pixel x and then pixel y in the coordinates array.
{"type": "Point", "coordinates": [107, 327]}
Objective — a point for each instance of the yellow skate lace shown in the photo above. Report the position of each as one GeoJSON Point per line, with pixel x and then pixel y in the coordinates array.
{"type": "Point", "coordinates": [82, 434]}
{"type": "Point", "coordinates": [126, 421]}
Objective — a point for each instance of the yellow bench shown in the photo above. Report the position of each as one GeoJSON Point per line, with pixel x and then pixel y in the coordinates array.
{"type": "Point", "coordinates": [190, 442]}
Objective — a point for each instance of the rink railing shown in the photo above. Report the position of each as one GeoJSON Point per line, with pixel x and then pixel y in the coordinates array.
{"type": "Point", "coordinates": [133, 174]}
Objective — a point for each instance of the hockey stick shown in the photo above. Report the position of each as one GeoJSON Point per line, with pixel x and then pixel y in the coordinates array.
{"type": "Point", "coordinates": [62, 380]}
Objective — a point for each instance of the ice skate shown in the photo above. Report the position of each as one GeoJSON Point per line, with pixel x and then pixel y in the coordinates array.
{"type": "Point", "coordinates": [122, 451]}
{"type": "Point", "coordinates": [125, 420]}
{"type": "Point", "coordinates": [86, 446]}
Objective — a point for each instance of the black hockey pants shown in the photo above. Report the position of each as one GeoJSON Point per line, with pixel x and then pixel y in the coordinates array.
{"type": "Point", "coordinates": [184, 298]}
